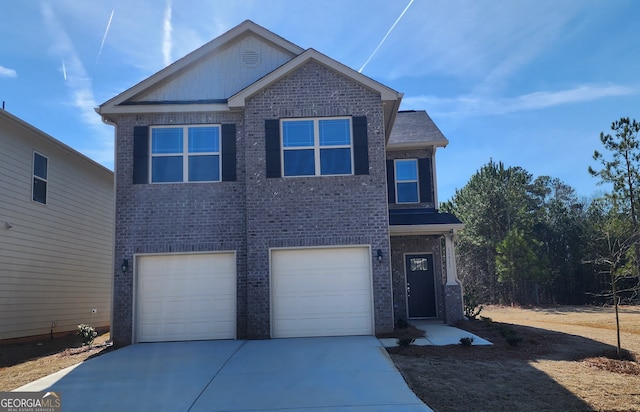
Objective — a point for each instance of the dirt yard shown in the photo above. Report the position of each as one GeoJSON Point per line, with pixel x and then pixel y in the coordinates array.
{"type": "Point", "coordinates": [22, 363]}
{"type": "Point", "coordinates": [564, 360]}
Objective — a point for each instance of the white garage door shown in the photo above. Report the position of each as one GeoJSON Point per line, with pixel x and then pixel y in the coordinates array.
{"type": "Point", "coordinates": [186, 297]}
{"type": "Point", "coordinates": [321, 292]}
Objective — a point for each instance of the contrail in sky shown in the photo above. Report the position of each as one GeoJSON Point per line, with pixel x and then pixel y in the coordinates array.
{"type": "Point", "coordinates": [105, 34]}
{"type": "Point", "coordinates": [166, 31]}
{"type": "Point", "coordinates": [386, 35]}
{"type": "Point", "coordinates": [64, 70]}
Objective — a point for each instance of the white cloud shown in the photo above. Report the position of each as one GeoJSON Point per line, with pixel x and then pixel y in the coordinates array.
{"type": "Point", "coordinates": [166, 35]}
{"type": "Point", "coordinates": [5, 72]}
{"type": "Point", "coordinates": [477, 105]}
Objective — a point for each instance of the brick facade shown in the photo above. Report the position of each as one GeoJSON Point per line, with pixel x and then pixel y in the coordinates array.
{"type": "Point", "coordinates": [255, 213]}
{"type": "Point", "coordinates": [448, 297]}
{"type": "Point", "coordinates": [314, 211]}
{"type": "Point", "coordinates": [170, 218]}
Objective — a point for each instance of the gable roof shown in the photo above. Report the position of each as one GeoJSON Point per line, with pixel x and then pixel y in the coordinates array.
{"type": "Point", "coordinates": [390, 98]}
{"type": "Point", "coordinates": [118, 104]}
{"type": "Point", "coordinates": [134, 99]}
{"type": "Point", "coordinates": [414, 129]}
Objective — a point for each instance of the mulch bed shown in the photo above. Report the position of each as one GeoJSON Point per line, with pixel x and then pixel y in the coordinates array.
{"type": "Point", "coordinates": [524, 343]}
{"type": "Point", "coordinates": [68, 345]}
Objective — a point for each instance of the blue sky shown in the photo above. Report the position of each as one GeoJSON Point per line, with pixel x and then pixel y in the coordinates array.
{"type": "Point", "coordinates": [528, 83]}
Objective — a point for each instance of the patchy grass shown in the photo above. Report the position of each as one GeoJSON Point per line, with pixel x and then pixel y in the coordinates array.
{"type": "Point", "coordinates": [22, 363]}
{"type": "Point", "coordinates": [565, 360]}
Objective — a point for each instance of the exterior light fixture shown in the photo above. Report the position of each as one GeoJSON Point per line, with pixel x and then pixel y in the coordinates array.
{"type": "Point", "coordinates": [125, 265]}
{"type": "Point", "coordinates": [379, 255]}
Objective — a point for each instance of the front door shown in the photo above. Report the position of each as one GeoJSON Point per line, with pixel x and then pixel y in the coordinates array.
{"type": "Point", "coordinates": [421, 287]}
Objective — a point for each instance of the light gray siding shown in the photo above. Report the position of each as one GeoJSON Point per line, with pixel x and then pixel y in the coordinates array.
{"type": "Point", "coordinates": [55, 258]}
{"type": "Point", "coordinates": [224, 73]}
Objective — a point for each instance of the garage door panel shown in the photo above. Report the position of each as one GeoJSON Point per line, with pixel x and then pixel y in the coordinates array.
{"type": "Point", "coordinates": [186, 297]}
{"type": "Point", "coordinates": [321, 292]}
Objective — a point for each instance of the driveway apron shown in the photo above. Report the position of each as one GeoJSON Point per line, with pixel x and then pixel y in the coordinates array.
{"type": "Point", "coordinates": [342, 373]}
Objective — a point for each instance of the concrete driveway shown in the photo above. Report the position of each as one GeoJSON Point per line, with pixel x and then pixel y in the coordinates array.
{"type": "Point", "coordinates": [336, 374]}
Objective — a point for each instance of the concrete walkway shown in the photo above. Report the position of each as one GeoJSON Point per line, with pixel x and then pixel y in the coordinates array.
{"type": "Point", "coordinates": [438, 334]}
{"type": "Point", "coordinates": [319, 374]}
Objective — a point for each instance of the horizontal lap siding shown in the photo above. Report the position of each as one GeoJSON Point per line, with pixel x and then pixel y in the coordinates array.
{"type": "Point", "coordinates": [55, 262]}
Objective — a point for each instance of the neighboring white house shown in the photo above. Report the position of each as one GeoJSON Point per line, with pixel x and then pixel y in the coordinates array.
{"type": "Point", "coordinates": [56, 234]}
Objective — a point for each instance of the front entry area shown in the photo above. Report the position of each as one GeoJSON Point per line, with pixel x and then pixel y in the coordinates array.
{"type": "Point", "coordinates": [421, 285]}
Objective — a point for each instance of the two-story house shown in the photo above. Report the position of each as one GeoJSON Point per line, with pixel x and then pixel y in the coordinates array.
{"type": "Point", "coordinates": [56, 235]}
{"type": "Point", "coordinates": [266, 191]}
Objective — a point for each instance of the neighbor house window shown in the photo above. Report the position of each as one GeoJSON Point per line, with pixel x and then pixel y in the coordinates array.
{"type": "Point", "coordinates": [39, 189]}
{"type": "Point", "coordinates": [315, 147]}
{"type": "Point", "coordinates": [185, 154]}
{"type": "Point", "coordinates": [406, 181]}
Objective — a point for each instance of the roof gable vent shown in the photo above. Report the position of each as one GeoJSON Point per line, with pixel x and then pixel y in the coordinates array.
{"type": "Point", "coordinates": [250, 57]}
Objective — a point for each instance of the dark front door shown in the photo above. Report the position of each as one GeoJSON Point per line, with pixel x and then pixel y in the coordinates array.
{"type": "Point", "coordinates": [421, 287]}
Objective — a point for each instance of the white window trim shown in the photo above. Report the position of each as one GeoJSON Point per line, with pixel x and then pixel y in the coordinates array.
{"type": "Point", "coordinates": [33, 175]}
{"type": "Point", "coordinates": [316, 144]}
{"type": "Point", "coordinates": [417, 180]}
{"type": "Point", "coordinates": [185, 152]}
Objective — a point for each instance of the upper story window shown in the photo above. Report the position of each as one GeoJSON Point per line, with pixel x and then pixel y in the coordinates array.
{"type": "Point", "coordinates": [406, 173]}
{"type": "Point", "coordinates": [185, 154]}
{"type": "Point", "coordinates": [40, 172]}
{"type": "Point", "coordinates": [315, 147]}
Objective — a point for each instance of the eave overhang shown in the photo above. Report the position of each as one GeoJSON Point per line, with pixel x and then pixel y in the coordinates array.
{"type": "Point", "coordinates": [435, 229]}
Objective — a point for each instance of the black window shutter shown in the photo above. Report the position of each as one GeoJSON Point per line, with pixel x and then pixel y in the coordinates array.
{"type": "Point", "coordinates": [272, 145]}
{"type": "Point", "coordinates": [360, 146]}
{"type": "Point", "coordinates": [426, 185]}
{"type": "Point", "coordinates": [391, 182]}
{"type": "Point", "coordinates": [228, 152]}
{"type": "Point", "coordinates": [140, 155]}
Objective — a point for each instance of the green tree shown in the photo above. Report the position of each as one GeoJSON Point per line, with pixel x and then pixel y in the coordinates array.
{"type": "Point", "coordinates": [491, 204]}
{"type": "Point", "coordinates": [622, 169]}
{"type": "Point", "coordinates": [524, 240]}
{"type": "Point", "coordinates": [562, 227]}
{"type": "Point", "coordinates": [519, 261]}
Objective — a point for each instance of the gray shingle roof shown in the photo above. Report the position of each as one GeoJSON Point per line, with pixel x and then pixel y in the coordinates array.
{"type": "Point", "coordinates": [415, 128]}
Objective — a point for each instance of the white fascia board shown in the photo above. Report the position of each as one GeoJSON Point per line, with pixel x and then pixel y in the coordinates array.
{"type": "Point", "coordinates": [408, 230]}
{"type": "Point", "coordinates": [416, 145]}
{"type": "Point", "coordinates": [165, 108]}
{"type": "Point", "coordinates": [386, 94]}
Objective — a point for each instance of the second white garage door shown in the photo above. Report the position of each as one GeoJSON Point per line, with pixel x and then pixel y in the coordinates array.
{"type": "Point", "coordinates": [186, 297]}
{"type": "Point", "coordinates": [321, 292]}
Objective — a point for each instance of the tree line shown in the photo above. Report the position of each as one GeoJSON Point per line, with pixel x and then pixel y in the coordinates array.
{"type": "Point", "coordinates": [534, 241]}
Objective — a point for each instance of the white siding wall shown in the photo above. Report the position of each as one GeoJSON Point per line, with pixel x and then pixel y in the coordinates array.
{"type": "Point", "coordinates": [56, 259]}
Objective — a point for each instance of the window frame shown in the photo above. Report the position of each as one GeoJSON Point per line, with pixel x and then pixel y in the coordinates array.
{"type": "Point", "coordinates": [45, 179]}
{"type": "Point", "coordinates": [397, 181]}
{"type": "Point", "coordinates": [185, 154]}
{"type": "Point", "coordinates": [317, 147]}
